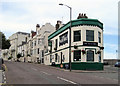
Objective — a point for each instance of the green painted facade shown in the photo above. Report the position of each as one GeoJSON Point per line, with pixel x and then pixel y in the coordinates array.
{"type": "Point", "coordinates": [82, 21]}
{"type": "Point", "coordinates": [84, 65]}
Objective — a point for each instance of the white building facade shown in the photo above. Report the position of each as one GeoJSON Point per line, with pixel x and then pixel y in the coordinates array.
{"type": "Point", "coordinates": [40, 42]}
{"type": "Point", "coordinates": [15, 41]}
{"type": "Point", "coordinates": [86, 45]}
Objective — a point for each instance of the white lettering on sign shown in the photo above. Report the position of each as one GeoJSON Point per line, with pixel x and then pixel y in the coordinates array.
{"type": "Point", "coordinates": [63, 39]}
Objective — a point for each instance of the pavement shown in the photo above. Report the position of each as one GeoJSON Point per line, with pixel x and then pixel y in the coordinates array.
{"type": "Point", "coordinates": [2, 78]}
{"type": "Point", "coordinates": [107, 69]}
{"type": "Point", "coordinates": [29, 73]}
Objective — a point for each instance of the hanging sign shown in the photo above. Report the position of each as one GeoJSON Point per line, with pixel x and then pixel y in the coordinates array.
{"type": "Point", "coordinates": [63, 39]}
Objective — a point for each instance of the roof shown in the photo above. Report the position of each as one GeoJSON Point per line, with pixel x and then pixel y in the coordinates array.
{"type": "Point", "coordinates": [77, 22]}
{"type": "Point", "coordinates": [24, 33]}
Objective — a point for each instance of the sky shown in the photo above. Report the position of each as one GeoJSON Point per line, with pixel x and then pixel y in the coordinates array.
{"type": "Point", "coordinates": [23, 15]}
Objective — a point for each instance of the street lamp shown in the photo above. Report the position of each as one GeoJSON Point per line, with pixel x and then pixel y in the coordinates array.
{"type": "Point", "coordinates": [69, 33]}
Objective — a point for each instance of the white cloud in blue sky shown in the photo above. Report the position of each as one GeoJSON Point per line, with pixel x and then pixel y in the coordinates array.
{"type": "Point", "coordinates": [23, 15]}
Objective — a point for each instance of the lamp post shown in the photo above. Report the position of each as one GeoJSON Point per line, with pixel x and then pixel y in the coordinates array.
{"type": "Point", "coordinates": [69, 33]}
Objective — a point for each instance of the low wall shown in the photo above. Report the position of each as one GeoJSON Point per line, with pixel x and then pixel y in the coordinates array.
{"type": "Point", "coordinates": [111, 61]}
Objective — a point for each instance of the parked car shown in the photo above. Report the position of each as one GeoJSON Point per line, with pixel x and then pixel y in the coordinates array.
{"type": "Point", "coordinates": [117, 64]}
{"type": "Point", "coordinates": [105, 63]}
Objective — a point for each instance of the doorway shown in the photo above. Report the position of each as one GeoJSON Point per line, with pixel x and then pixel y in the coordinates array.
{"type": "Point", "coordinates": [90, 55]}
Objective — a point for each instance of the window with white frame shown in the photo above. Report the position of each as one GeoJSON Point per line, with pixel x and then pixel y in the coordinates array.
{"type": "Point", "coordinates": [77, 55]}
{"type": "Point", "coordinates": [89, 35]}
{"type": "Point", "coordinates": [77, 35]}
{"type": "Point", "coordinates": [90, 55]}
{"type": "Point", "coordinates": [99, 37]}
{"type": "Point", "coordinates": [100, 57]}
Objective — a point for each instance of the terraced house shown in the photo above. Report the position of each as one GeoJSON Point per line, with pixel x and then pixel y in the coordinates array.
{"type": "Point", "coordinates": [86, 45]}
{"type": "Point", "coordinates": [31, 46]}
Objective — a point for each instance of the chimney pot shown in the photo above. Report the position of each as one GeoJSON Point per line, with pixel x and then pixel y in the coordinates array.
{"type": "Point", "coordinates": [38, 25]}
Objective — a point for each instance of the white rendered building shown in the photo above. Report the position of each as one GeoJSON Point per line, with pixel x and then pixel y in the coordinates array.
{"type": "Point", "coordinates": [15, 41]}
{"type": "Point", "coordinates": [86, 45]}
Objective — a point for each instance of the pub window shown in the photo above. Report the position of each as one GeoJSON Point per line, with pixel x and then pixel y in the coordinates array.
{"type": "Point", "coordinates": [77, 35]}
{"type": "Point", "coordinates": [90, 55]}
{"type": "Point", "coordinates": [89, 35]}
{"type": "Point", "coordinates": [77, 55]}
{"type": "Point", "coordinates": [55, 57]}
{"type": "Point", "coordinates": [99, 37]}
{"type": "Point", "coordinates": [100, 57]}
{"type": "Point", "coordinates": [56, 44]}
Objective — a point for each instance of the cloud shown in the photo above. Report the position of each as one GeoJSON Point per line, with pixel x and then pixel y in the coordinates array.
{"type": "Point", "coordinates": [21, 15]}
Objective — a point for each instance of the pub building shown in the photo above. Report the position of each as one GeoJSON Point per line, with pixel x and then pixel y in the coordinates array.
{"type": "Point", "coordinates": [86, 45]}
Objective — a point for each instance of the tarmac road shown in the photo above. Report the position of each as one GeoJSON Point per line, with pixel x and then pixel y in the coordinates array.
{"type": "Point", "coordinates": [30, 73]}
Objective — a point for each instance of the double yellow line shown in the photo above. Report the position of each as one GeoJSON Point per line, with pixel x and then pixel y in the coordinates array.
{"type": "Point", "coordinates": [5, 67]}
{"type": "Point", "coordinates": [2, 83]}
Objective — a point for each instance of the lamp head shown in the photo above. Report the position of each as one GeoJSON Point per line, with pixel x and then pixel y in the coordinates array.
{"type": "Point", "coordinates": [60, 4]}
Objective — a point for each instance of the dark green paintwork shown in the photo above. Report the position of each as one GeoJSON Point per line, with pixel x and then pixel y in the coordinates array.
{"type": "Point", "coordinates": [85, 65]}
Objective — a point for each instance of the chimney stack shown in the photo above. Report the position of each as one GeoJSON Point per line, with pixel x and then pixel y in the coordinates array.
{"type": "Point", "coordinates": [37, 28]}
{"type": "Point", "coordinates": [58, 25]}
{"type": "Point", "coordinates": [33, 33]}
{"type": "Point", "coordinates": [82, 16]}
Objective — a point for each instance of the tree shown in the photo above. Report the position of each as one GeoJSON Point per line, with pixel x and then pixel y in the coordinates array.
{"type": "Point", "coordinates": [5, 42]}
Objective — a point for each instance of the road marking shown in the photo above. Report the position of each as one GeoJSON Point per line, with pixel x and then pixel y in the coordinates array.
{"type": "Point", "coordinates": [66, 80]}
{"type": "Point", "coordinates": [46, 73]}
{"type": "Point", "coordinates": [2, 84]}
{"type": "Point", "coordinates": [5, 67]}
{"type": "Point", "coordinates": [34, 69]}
{"type": "Point", "coordinates": [4, 78]}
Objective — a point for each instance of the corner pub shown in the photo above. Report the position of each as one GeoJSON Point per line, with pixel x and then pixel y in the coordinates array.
{"type": "Point", "coordinates": [86, 45]}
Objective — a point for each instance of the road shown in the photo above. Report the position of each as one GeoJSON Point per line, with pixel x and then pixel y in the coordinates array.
{"type": "Point", "coordinates": [30, 73]}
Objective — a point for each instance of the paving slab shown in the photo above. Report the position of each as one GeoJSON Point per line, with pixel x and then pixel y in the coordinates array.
{"type": "Point", "coordinates": [1, 77]}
